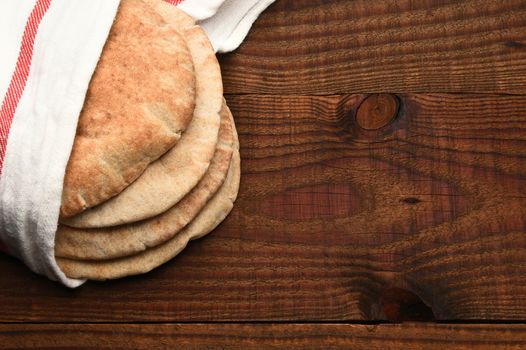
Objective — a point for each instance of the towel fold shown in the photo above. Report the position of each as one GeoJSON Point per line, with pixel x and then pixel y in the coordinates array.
{"type": "Point", "coordinates": [226, 22]}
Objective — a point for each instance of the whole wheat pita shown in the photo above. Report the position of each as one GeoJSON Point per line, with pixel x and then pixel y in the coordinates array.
{"type": "Point", "coordinates": [131, 115]}
{"type": "Point", "coordinates": [129, 239]}
{"type": "Point", "coordinates": [212, 214]}
{"type": "Point", "coordinates": [166, 181]}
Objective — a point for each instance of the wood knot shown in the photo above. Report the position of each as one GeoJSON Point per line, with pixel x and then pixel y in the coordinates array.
{"type": "Point", "coordinates": [399, 305]}
{"type": "Point", "coordinates": [410, 200]}
{"type": "Point", "coordinates": [376, 111]}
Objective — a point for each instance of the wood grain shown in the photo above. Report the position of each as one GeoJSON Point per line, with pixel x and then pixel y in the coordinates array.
{"type": "Point", "coordinates": [341, 46]}
{"type": "Point", "coordinates": [263, 336]}
{"type": "Point", "coordinates": [424, 218]}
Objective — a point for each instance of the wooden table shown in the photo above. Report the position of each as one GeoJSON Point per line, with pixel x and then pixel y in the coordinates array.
{"type": "Point", "coordinates": [384, 179]}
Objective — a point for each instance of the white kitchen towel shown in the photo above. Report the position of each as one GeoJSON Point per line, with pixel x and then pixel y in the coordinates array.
{"type": "Point", "coordinates": [198, 9]}
{"type": "Point", "coordinates": [49, 51]}
{"type": "Point", "coordinates": [226, 22]}
{"type": "Point", "coordinates": [230, 25]}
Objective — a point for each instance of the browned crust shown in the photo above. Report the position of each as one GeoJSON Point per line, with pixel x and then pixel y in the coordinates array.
{"type": "Point", "coordinates": [119, 241]}
{"type": "Point", "coordinates": [140, 99]}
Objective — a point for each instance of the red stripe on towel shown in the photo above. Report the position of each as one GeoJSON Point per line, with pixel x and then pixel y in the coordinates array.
{"type": "Point", "coordinates": [174, 2]}
{"type": "Point", "coordinates": [19, 78]}
{"type": "Point", "coordinates": [20, 75]}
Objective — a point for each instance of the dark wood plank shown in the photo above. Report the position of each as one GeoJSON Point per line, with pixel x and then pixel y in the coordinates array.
{"type": "Point", "coordinates": [263, 336]}
{"type": "Point", "coordinates": [342, 46]}
{"type": "Point", "coordinates": [422, 218]}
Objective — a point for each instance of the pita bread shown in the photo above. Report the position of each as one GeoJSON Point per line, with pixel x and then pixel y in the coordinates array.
{"type": "Point", "coordinates": [131, 115]}
{"type": "Point", "coordinates": [212, 214]}
{"type": "Point", "coordinates": [119, 241]}
{"type": "Point", "coordinates": [178, 171]}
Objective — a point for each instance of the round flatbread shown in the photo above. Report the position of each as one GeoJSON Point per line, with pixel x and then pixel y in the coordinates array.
{"type": "Point", "coordinates": [166, 181]}
{"type": "Point", "coordinates": [131, 115]}
{"type": "Point", "coordinates": [212, 214]}
{"type": "Point", "coordinates": [129, 239]}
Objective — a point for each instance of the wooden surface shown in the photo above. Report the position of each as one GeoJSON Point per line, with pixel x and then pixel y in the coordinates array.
{"type": "Point", "coordinates": [264, 336]}
{"type": "Point", "coordinates": [348, 46]}
{"type": "Point", "coordinates": [353, 207]}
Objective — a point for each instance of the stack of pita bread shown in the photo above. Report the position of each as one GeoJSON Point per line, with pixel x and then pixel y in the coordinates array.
{"type": "Point", "coordinates": [155, 162]}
